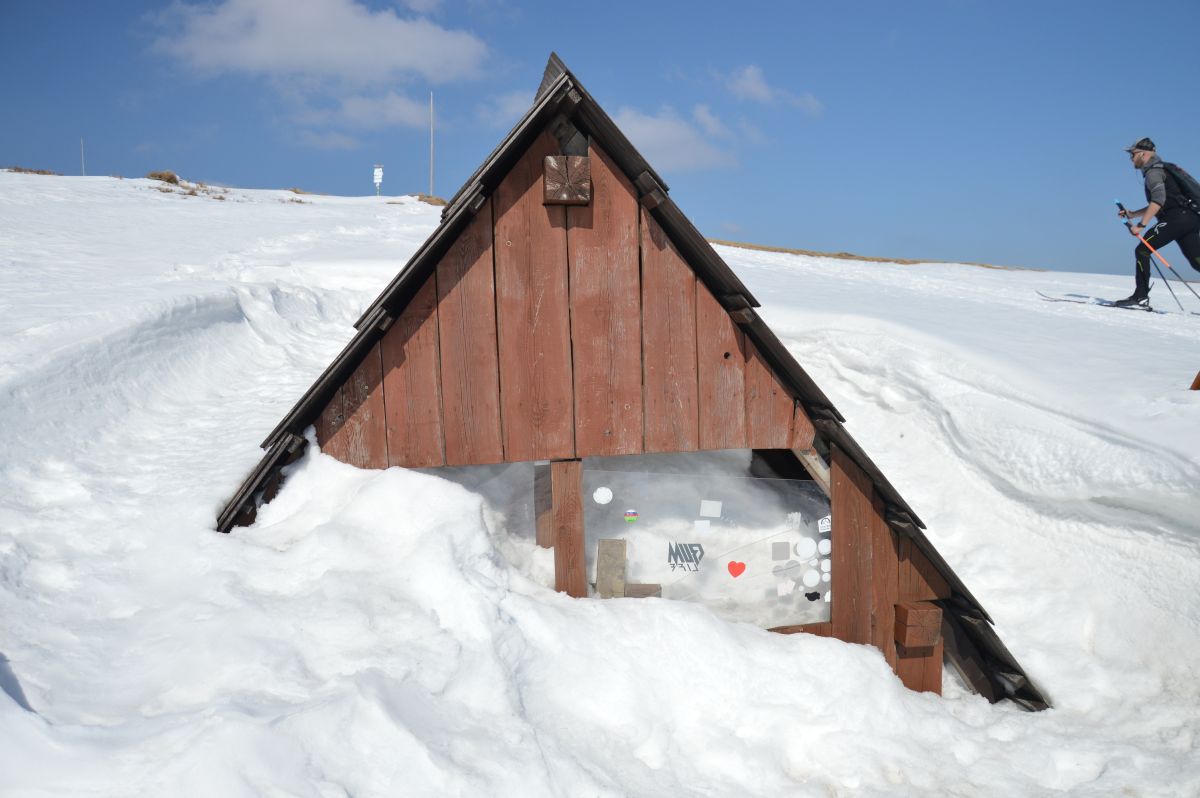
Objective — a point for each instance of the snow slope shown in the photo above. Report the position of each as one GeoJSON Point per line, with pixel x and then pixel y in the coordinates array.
{"type": "Point", "coordinates": [382, 633]}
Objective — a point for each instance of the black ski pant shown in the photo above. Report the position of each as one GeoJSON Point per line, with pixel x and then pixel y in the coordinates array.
{"type": "Point", "coordinates": [1177, 224]}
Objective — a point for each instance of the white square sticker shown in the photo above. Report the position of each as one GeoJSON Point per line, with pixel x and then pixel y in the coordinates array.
{"type": "Point", "coordinates": [710, 509]}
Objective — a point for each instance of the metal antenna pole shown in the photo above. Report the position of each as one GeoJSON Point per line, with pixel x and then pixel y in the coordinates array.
{"type": "Point", "coordinates": [82, 166]}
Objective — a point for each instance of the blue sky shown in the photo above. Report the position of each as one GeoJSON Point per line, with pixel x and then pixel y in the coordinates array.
{"type": "Point", "coordinates": [945, 129]}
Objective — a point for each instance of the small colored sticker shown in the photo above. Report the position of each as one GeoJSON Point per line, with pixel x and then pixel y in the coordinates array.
{"type": "Point", "coordinates": [710, 508]}
{"type": "Point", "coordinates": [824, 525]}
{"type": "Point", "coordinates": [631, 516]}
{"type": "Point", "coordinates": [736, 568]}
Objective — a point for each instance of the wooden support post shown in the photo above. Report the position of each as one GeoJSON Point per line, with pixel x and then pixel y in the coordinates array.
{"type": "Point", "coordinates": [1196, 382]}
{"type": "Point", "coordinates": [918, 624]}
{"type": "Point", "coordinates": [566, 489]}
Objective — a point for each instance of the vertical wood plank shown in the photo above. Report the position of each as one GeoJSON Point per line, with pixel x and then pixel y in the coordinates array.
{"type": "Point", "coordinates": [470, 370]}
{"type": "Point", "coordinates": [570, 573]}
{"type": "Point", "coordinates": [918, 579]}
{"type": "Point", "coordinates": [412, 388]}
{"type": "Point", "coordinates": [851, 538]}
{"type": "Point", "coordinates": [364, 431]}
{"type": "Point", "coordinates": [668, 344]}
{"type": "Point", "coordinates": [329, 423]}
{"type": "Point", "coordinates": [885, 591]}
{"type": "Point", "coordinates": [769, 406]}
{"type": "Point", "coordinates": [920, 669]}
{"type": "Point", "coordinates": [910, 667]}
{"type": "Point", "coordinates": [602, 250]}
{"type": "Point", "coordinates": [932, 677]}
{"type": "Point", "coordinates": [721, 363]}
{"type": "Point", "coordinates": [532, 314]}
{"type": "Point", "coordinates": [803, 432]}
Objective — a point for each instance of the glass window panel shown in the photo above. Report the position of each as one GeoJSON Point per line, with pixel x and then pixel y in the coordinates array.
{"type": "Point", "coordinates": [751, 549]}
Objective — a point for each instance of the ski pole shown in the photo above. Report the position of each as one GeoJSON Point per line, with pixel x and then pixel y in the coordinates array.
{"type": "Point", "coordinates": [1162, 276]}
{"type": "Point", "coordinates": [1129, 224]}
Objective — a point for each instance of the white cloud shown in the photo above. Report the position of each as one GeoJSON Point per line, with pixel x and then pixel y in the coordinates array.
{"type": "Point", "coordinates": [423, 6]}
{"type": "Point", "coordinates": [669, 141]}
{"type": "Point", "coordinates": [326, 141]}
{"type": "Point", "coordinates": [749, 83]}
{"type": "Point", "coordinates": [340, 40]}
{"type": "Point", "coordinates": [388, 110]}
{"type": "Point", "coordinates": [505, 109]}
{"type": "Point", "coordinates": [709, 122]}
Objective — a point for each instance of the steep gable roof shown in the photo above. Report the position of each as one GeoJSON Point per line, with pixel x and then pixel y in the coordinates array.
{"type": "Point", "coordinates": [563, 106]}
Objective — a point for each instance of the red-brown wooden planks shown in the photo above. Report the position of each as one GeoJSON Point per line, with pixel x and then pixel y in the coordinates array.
{"type": "Point", "coordinates": [918, 579]}
{"type": "Point", "coordinates": [1196, 382]}
{"type": "Point", "coordinates": [364, 430]}
{"type": "Point", "coordinates": [920, 669]}
{"type": "Point", "coordinates": [721, 361]}
{"type": "Point", "coordinates": [769, 407]}
{"type": "Point", "coordinates": [329, 424]}
{"type": "Point", "coordinates": [412, 388]}
{"type": "Point", "coordinates": [852, 540]}
{"type": "Point", "coordinates": [668, 344]}
{"type": "Point", "coordinates": [803, 431]}
{"type": "Point", "coordinates": [570, 570]}
{"type": "Point", "coordinates": [884, 582]}
{"type": "Point", "coordinates": [470, 370]}
{"type": "Point", "coordinates": [918, 624]}
{"type": "Point", "coordinates": [532, 314]}
{"type": "Point", "coordinates": [602, 249]}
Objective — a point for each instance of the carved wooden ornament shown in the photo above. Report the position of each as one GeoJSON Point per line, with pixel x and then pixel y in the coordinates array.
{"type": "Point", "coordinates": [568, 180]}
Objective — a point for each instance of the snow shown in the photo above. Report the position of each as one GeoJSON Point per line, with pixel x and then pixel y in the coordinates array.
{"type": "Point", "coordinates": [383, 633]}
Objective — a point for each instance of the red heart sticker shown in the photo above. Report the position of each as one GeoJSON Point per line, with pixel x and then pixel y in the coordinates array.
{"type": "Point", "coordinates": [736, 569]}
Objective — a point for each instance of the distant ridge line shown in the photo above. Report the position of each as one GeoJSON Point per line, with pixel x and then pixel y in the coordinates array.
{"type": "Point", "coordinates": [852, 256]}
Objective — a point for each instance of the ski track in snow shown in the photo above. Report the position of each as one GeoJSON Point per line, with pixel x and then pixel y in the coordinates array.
{"type": "Point", "coordinates": [379, 633]}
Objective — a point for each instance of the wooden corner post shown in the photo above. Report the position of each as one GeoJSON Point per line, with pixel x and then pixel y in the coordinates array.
{"type": "Point", "coordinates": [558, 506]}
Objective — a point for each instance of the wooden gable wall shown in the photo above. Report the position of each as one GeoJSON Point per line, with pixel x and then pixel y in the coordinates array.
{"type": "Point", "coordinates": [550, 332]}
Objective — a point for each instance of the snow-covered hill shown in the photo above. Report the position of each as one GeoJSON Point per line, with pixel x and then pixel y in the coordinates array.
{"type": "Point", "coordinates": [381, 633]}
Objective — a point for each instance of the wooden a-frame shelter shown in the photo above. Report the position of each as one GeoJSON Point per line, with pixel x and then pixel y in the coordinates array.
{"type": "Point", "coordinates": [566, 308]}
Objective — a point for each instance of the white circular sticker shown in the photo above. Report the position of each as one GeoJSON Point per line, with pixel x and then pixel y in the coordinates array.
{"type": "Point", "coordinates": [602, 495]}
{"type": "Point", "coordinates": [825, 546]}
{"type": "Point", "coordinates": [824, 577]}
{"type": "Point", "coordinates": [811, 578]}
{"type": "Point", "coordinates": [806, 548]}
{"type": "Point", "coordinates": [825, 565]}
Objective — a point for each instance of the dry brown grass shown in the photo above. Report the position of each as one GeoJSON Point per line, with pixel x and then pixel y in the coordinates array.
{"type": "Point", "coordinates": [295, 190]}
{"type": "Point", "coordinates": [167, 176]}
{"type": "Point", "coordinates": [429, 199]}
{"type": "Point", "coordinates": [22, 170]}
{"type": "Point", "coordinates": [852, 256]}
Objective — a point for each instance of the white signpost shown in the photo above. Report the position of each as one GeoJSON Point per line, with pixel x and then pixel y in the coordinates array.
{"type": "Point", "coordinates": [378, 177]}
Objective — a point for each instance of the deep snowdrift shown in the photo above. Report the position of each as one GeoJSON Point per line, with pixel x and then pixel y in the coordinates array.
{"type": "Point", "coordinates": [383, 633]}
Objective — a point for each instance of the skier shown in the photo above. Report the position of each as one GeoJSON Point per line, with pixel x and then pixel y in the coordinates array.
{"type": "Point", "coordinates": [1177, 221]}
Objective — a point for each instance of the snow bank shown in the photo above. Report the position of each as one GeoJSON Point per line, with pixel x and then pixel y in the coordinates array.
{"type": "Point", "coordinates": [381, 633]}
